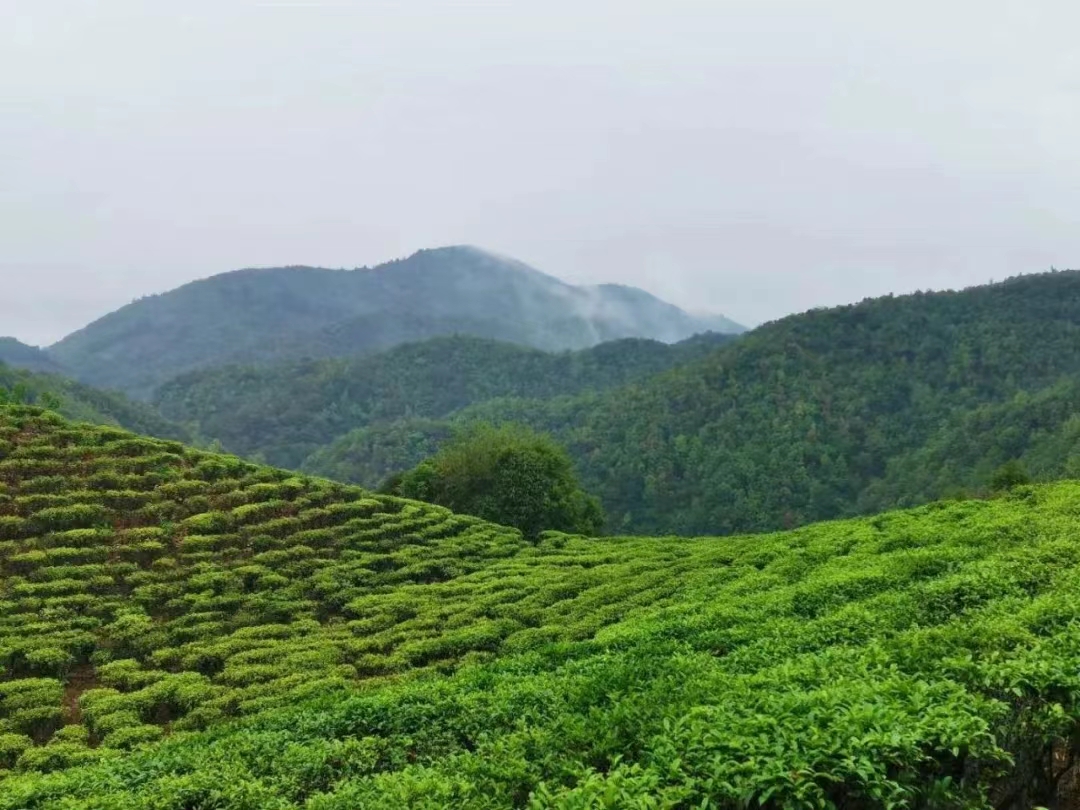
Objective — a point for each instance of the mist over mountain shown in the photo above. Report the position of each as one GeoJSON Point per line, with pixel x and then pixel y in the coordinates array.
{"type": "Point", "coordinates": [262, 315]}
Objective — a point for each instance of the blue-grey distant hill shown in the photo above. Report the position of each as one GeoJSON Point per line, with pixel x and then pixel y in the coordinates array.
{"type": "Point", "coordinates": [18, 355]}
{"type": "Point", "coordinates": [287, 313]}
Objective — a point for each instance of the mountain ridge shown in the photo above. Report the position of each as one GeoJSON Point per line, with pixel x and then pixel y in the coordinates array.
{"type": "Point", "coordinates": [263, 314]}
{"type": "Point", "coordinates": [17, 354]}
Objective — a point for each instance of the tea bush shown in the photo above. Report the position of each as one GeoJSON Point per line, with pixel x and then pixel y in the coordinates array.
{"type": "Point", "coordinates": [375, 652]}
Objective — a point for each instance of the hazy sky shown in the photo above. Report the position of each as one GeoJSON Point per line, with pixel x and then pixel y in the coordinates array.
{"type": "Point", "coordinates": [754, 157]}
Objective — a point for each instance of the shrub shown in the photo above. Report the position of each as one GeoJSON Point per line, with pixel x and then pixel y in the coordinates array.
{"type": "Point", "coordinates": [93, 539]}
{"type": "Point", "coordinates": [46, 484]}
{"type": "Point", "coordinates": [75, 516]}
{"type": "Point", "coordinates": [11, 747]}
{"type": "Point", "coordinates": [12, 527]}
{"type": "Point", "coordinates": [1008, 475]}
{"type": "Point", "coordinates": [50, 661]}
{"type": "Point", "coordinates": [208, 523]}
{"type": "Point", "coordinates": [57, 756]}
{"type": "Point", "coordinates": [128, 737]}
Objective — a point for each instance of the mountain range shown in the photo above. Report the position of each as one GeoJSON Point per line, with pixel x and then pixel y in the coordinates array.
{"type": "Point", "coordinates": [833, 412]}
{"type": "Point", "coordinates": [291, 313]}
{"type": "Point", "coordinates": [18, 355]}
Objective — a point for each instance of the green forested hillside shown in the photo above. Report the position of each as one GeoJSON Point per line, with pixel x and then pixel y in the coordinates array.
{"type": "Point", "coordinates": [1041, 430]}
{"type": "Point", "coordinates": [282, 413]}
{"type": "Point", "coordinates": [18, 355]}
{"type": "Point", "coordinates": [81, 402]}
{"type": "Point", "coordinates": [368, 456]}
{"type": "Point", "coordinates": [289, 313]}
{"type": "Point", "coordinates": [186, 631]}
{"type": "Point", "coordinates": [824, 414]}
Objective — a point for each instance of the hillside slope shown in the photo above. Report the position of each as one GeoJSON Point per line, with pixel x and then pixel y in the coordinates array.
{"type": "Point", "coordinates": [292, 313]}
{"type": "Point", "coordinates": [83, 403]}
{"type": "Point", "coordinates": [1041, 430]}
{"type": "Point", "coordinates": [18, 355]}
{"type": "Point", "coordinates": [819, 415]}
{"type": "Point", "coordinates": [282, 413]}
{"type": "Point", "coordinates": [147, 567]}
{"type": "Point", "coordinates": [208, 633]}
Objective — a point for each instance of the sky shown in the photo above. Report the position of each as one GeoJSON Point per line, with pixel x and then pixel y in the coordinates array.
{"type": "Point", "coordinates": [750, 157]}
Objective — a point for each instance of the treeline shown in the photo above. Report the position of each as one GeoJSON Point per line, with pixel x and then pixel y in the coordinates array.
{"type": "Point", "coordinates": [891, 402]}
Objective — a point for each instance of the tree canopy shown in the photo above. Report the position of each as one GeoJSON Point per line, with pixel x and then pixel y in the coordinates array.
{"type": "Point", "coordinates": [891, 402]}
{"type": "Point", "coordinates": [509, 475]}
{"type": "Point", "coordinates": [284, 412]}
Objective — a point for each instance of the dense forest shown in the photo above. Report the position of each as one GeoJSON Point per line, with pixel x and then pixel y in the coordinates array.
{"type": "Point", "coordinates": [824, 414]}
{"type": "Point", "coordinates": [296, 313]}
{"type": "Point", "coordinates": [18, 355]}
{"type": "Point", "coordinates": [185, 630]}
{"type": "Point", "coordinates": [282, 413]}
{"type": "Point", "coordinates": [81, 402]}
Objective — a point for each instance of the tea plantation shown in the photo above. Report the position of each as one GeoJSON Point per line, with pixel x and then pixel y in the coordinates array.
{"type": "Point", "coordinates": [181, 630]}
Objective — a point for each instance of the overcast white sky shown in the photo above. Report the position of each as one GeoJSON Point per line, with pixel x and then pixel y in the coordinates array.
{"type": "Point", "coordinates": [755, 157]}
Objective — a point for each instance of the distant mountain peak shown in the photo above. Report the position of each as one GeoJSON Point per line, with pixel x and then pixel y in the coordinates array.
{"type": "Point", "coordinates": [268, 314]}
{"type": "Point", "coordinates": [462, 248]}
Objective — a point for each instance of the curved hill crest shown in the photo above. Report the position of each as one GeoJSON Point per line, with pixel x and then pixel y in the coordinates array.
{"type": "Point", "coordinates": [270, 314]}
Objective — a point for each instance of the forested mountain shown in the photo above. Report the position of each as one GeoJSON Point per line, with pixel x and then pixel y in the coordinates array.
{"type": "Point", "coordinates": [182, 629]}
{"type": "Point", "coordinates": [829, 413]}
{"type": "Point", "coordinates": [282, 413]}
{"type": "Point", "coordinates": [264, 315]}
{"type": "Point", "coordinates": [18, 355]}
{"type": "Point", "coordinates": [1041, 430]}
{"type": "Point", "coordinates": [85, 404]}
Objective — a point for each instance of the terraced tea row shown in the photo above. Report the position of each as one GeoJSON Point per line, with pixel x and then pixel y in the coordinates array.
{"type": "Point", "coordinates": [918, 659]}
{"type": "Point", "coordinates": [147, 588]}
{"type": "Point", "coordinates": [150, 589]}
{"type": "Point", "coordinates": [241, 638]}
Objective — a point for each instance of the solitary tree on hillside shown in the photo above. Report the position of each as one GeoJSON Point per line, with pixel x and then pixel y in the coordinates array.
{"type": "Point", "coordinates": [1008, 475]}
{"type": "Point", "coordinates": [510, 475]}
